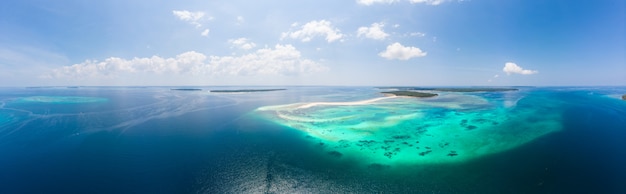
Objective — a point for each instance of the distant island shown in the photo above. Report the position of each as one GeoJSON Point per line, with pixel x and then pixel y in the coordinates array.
{"type": "Point", "coordinates": [411, 94]}
{"type": "Point", "coordinates": [624, 97]}
{"type": "Point", "coordinates": [470, 89]}
{"type": "Point", "coordinates": [187, 89]}
{"type": "Point", "coordinates": [412, 91]}
{"type": "Point", "coordinates": [245, 90]}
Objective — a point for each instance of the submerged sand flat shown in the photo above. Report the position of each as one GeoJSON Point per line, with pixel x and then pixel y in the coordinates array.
{"type": "Point", "coordinates": [61, 99]}
{"type": "Point", "coordinates": [400, 130]}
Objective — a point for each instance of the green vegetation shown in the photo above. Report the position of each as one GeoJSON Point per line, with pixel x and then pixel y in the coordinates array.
{"type": "Point", "coordinates": [411, 94]}
{"type": "Point", "coordinates": [468, 89]}
{"type": "Point", "coordinates": [248, 90]}
{"type": "Point", "coordinates": [475, 89]}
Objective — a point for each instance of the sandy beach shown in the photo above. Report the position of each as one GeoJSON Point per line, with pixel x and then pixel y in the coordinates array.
{"type": "Point", "coordinates": [363, 102]}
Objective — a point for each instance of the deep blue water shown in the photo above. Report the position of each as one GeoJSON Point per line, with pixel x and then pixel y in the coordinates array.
{"type": "Point", "coordinates": [155, 140]}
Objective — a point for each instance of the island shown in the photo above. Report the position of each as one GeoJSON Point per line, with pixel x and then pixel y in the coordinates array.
{"type": "Point", "coordinates": [624, 97]}
{"type": "Point", "coordinates": [414, 127]}
{"type": "Point", "coordinates": [475, 89]}
{"type": "Point", "coordinates": [187, 89]}
{"type": "Point", "coordinates": [468, 89]}
{"type": "Point", "coordinates": [245, 90]}
{"type": "Point", "coordinates": [411, 94]}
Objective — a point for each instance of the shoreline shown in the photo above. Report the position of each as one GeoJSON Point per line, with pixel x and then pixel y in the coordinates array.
{"type": "Point", "coordinates": [411, 94]}
{"type": "Point", "coordinates": [362, 102]}
{"type": "Point", "coordinates": [245, 90]}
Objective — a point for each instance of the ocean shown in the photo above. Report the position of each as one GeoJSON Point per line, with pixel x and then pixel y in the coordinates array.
{"type": "Point", "coordinates": [311, 140]}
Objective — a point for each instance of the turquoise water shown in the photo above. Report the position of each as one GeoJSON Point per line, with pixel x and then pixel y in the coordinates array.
{"type": "Point", "coordinates": [453, 127]}
{"type": "Point", "coordinates": [311, 140]}
{"type": "Point", "coordinates": [59, 99]}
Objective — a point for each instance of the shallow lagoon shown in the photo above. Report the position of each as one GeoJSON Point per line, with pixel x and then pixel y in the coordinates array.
{"type": "Point", "coordinates": [452, 127]}
{"type": "Point", "coordinates": [550, 140]}
{"type": "Point", "coordinates": [60, 99]}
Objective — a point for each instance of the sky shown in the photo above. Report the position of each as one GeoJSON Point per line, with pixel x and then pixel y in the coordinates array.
{"type": "Point", "coordinates": [313, 42]}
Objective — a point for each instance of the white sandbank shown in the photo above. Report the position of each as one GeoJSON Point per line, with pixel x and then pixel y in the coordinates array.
{"type": "Point", "coordinates": [362, 102]}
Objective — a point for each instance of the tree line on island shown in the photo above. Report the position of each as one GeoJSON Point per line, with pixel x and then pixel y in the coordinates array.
{"type": "Point", "coordinates": [413, 91]}
{"type": "Point", "coordinates": [228, 91]}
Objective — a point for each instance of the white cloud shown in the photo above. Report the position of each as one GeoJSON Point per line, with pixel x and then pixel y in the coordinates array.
{"type": "Point", "coordinates": [193, 18]}
{"type": "Point", "coordinates": [427, 2]}
{"type": "Point", "coordinates": [494, 78]}
{"type": "Point", "coordinates": [314, 28]}
{"type": "Point", "coordinates": [397, 51]}
{"type": "Point", "coordinates": [205, 32]}
{"type": "Point", "coordinates": [242, 43]}
{"type": "Point", "coordinates": [188, 16]}
{"type": "Point", "coordinates": [240, 20]}
{"type": "Point", "coordinates": [375, 31]}
{"type": "Point", "coordinates": [180, 64]}
{"type": "Point", "coordinates": [281, 60]}
{"type": "Point", "coordinates": [510, 68]}
{"type": "Point", "coordinates": [370, 2]}
{"type": "Point", "coordinates": [418, 34]}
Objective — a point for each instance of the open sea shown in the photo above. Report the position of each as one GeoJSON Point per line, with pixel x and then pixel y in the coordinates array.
{"type": "Point", "coordinates": [158, 140]}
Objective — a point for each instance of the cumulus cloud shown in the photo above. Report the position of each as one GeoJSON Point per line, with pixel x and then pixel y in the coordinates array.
{"type": "Point", "coordinates": [242, 43]}
{"type": "Point", "coordinates": [510, 68]}
{"type": "Point", "coordinates": [205, 32]}
{"type": "Point", "coordinates": [397, 51]}
{"type": "Point", "coordinates": [180, 64]}
{"type": "Point", "coordinates": [280, 60]}
{"type": "Point", "coordinates": [375, 31]}
{"type": "Point", "coordinates": [193, 18]}
{"type": "Point", "coordinates": [427, 2]}
{"type": "Point", "coordinates": [370, 2]}
{"type": "Point", "coordinates": [313, 29]}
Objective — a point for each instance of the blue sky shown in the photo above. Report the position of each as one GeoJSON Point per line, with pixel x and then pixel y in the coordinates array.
{"type": "Point", "coordinates": [350, 42]}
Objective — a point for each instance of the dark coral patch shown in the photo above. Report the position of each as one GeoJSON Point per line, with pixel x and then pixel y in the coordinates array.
{"type": "Point", "coordinates": [335, 154]}
{"type": "Point", "coordinates": [453, 153]}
